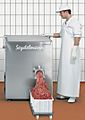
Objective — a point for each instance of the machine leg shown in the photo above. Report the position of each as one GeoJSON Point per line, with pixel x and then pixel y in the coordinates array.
{"type": "Point", "coordinates": [37, 117]}
{"type": "Point", "coordinates": [50, 117]}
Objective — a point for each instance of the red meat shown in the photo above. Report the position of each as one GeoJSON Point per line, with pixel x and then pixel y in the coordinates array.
{"type": "Point", "coordinates": [40, 91]}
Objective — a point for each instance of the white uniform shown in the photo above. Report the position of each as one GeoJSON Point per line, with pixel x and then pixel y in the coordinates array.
{"type": "Point", "coordinates": [69, 72]}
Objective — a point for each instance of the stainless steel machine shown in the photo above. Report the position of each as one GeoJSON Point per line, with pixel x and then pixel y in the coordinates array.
{"type": "Point", "coordinates": [22, 54]}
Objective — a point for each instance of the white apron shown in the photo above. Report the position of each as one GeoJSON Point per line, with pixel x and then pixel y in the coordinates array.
{"type": "Point", "coordinates": [69, 73]}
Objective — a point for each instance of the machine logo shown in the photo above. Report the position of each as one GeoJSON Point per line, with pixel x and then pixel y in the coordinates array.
{"type": "Point", "coordinates": [28, 47]}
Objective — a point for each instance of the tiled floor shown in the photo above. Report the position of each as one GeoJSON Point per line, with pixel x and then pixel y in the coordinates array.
{"type": "Point", "coordinates": [20, 110]}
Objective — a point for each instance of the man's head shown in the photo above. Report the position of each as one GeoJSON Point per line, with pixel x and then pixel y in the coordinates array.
{"type": "Point", "coordinates": [64, 11]}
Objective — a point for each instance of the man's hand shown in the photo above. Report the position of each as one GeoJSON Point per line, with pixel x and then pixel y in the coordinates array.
{"type": "Point", "coordinates": [74, 53]}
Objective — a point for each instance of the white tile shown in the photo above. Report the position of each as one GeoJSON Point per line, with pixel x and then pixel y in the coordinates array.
{"type": "Point", "coordinates": [58, 29]}
{"type": "Point", "coordinates": [30, 1]}
{"type": "Point", "coordinates": [47, 29]}
{"type": "Point", "coordinates": [18, 1]}
{"type": "Point", "coordinates": [53, 54]}
{"type": "Point", "coordinates": [53, 29]}
{"type": "Point", "coordinates": [13, 30]}
{"type": "Point", "coordinates": [83, 31]}
{"type": "Point", "coordinates": [81, 8]}
{"type": "Point", "coordinates": [82, 43]}
{"type": "Point", "coordinates": [1, 8]}
{"type": "Point", "coordinates": [53, 64]}
{"type": "Point", "coordinates": [42, 20]}
{"type": "Point", "coordinates": [53, 9]}
{"type": "Point", "coordinates": [52, 19]}
{"type": "Point", "coordinates": [24, 8]}
{"type": "Point", "coordinates": [12, 20]}
{"type": "Point", "coordinates": [83, 76]}
{"type": "Point", "coordinates": [18, 8]}
{"type": "Point", "coordinates": [36, 22]}
{"type": "Point", "coordinates": [58, 44]}
{"type": "Point", "coordinates": [1, 76]}
{"type": "Point", "coordinates": [30, 20]}
{"type": "Point", "coordinates": [47, 1]}
{"type": "Point", "coordinates": [53, 40]}
{"type": "Point", "coordinates": [81, 1]}
{"type": "Point", "coordinates": [30, 30]}
{"type": "Point", "coordinates": [35, 30]}
{"type": "Point", "coordinates": [18, 30]}
{"type": "Point", "coordinates": [57, 54]}
{"type": "Point", "coordinates": [36, 9]}
{"type": "Point", "coordinates": [53, 1]}
{"type": "Point", "coordinates": [7, 30]}
{"type": "Point", "coordinates": [12, 1]}
{"type": "Point", "coordinates": [81, 19]}
{"type": "Point", "coordinates": [47, 8]}
{"type": "Point", "coordinates": [82, 54]}
{"type": "Point", "coordinates": [7, 1]}
{"type": "Point", "coordinates": [7, 20]}
{"type": "Point", "coordinates": [24, 20]}
{"type": "Point", "coordinates": [58, 20]}
{"type": "Point", "coordinates": [42, 30]}
{"type": "Point", "coordinates": [2, 65]}
{"type": "Point", "coordinates": [1, 43]}
{"type": "Point", "coordinates": [35, 1]}
{"type": "Point", "coordinates": [12, 8]}
{"type": "Point", "coordinates": [56, 76]}
{"type": "Point", "coordinates": [30, 9]}
{"type": "Point", "coordinates": [2, 54]}
{"type": "Point", "coordinates": [1, 30]}
{"type": "Point", "coordinates": [76, 1]}
{"type": "Point", "coordinates": [18, 20]}
{"type": "Point", "coordinates": [7, 8]}
{"type": "Point", "coordinates": [82, 66]}
{"type": "Point", "coordinates": [42, 8]}
{"type": "Point", "coordinates": [24, 30]}
{"type": "Point", "coordinates": [75, 8]}
{"type": "Point", "coordinates": [53, 75]}
{"type": "Point", "coordinates": [47, 20]}
{"type": "Point", "coordinates": [1, 19]}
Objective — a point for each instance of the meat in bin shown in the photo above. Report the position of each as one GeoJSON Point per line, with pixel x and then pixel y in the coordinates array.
{"type": "Point", "coordinates": [41, 99]}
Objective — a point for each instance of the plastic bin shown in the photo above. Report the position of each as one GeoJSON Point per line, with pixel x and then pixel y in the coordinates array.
{"type": "Point", "coordinates": [41, 106]}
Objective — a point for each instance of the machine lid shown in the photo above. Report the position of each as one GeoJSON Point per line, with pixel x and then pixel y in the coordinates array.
{"type": "Point", "coordinates": [27, 38]}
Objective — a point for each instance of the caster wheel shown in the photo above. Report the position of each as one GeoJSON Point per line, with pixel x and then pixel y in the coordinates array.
{"type": "Point", "coordinates": [37, 117]}
{"type": "Point", "coordinates": [50, 117]}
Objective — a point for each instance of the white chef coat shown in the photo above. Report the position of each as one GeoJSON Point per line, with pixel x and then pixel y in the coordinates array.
{"type": "Point", "coordinates": [69, 72]}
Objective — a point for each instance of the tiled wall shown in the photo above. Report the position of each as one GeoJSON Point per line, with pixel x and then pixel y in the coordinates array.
{"type": "Point", "coordinates": [35, 17]}
{"type": "Point", "coordinates": [2, 58]}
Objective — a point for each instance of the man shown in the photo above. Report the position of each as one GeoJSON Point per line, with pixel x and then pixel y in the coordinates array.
{"type": "Point", "coordinates": [69, 65]}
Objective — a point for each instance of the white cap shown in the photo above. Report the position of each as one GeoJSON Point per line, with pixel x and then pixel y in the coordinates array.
{"type": "Point", "coordinates": [63, 7]}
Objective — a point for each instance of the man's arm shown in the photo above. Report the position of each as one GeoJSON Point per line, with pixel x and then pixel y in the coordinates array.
{"type": "Point", "coordinates": [56, 35]}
